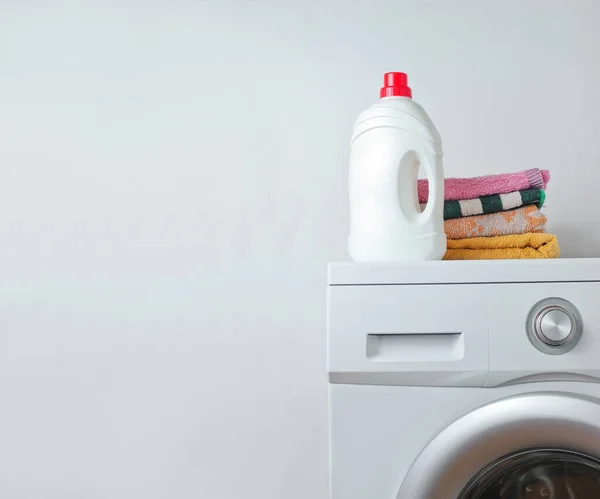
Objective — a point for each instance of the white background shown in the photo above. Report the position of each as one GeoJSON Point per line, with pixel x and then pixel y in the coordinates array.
{"type": "Point", "coordinates": [173, 183]}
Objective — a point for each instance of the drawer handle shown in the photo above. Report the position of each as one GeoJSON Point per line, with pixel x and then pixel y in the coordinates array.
{"type": "Point", "coordinates": [415, 347]}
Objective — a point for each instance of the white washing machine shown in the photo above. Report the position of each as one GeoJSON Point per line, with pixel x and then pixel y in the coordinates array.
{"type": "Point", "coordinates": [465, 380]}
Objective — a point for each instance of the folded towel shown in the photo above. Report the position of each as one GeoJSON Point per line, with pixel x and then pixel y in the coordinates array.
{"type": "Point", "coordinates": [492, 204]}
{"type": "Point", "coordinates": [537, 245]}
{"type": "Point", "coordinates": [519, 221]}
{"type": "Point", "coordinates": [503, 183]}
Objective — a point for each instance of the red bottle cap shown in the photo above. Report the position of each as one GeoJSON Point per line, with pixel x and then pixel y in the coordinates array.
{"type": "Point", "coordinates": [395, 85]}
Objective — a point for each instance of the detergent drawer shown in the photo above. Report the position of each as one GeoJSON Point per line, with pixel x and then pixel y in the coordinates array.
{"type": "Point", "coordinates": [427, 335]}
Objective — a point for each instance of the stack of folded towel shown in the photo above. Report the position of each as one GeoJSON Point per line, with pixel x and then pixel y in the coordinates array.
{"type": "Point", "coordinates": [496, 216]}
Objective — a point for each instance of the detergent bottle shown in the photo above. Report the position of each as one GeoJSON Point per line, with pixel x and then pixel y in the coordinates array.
{"type": "Point", "coordinates": [392, 139]}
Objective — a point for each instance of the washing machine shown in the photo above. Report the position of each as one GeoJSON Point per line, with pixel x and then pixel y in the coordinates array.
{"type": "Point", "coordinates": [464, 380]}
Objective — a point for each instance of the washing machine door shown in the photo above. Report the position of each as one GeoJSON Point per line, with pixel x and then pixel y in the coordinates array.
{"type": "Point", "coordinates": [537, 445]}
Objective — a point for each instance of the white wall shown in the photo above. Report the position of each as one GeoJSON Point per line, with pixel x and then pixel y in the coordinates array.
{"type": "Point", "coordinates": [173, 183]}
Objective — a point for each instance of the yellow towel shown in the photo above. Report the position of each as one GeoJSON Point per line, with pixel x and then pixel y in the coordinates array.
{"type": "Point", "coordinates": [530, 245]}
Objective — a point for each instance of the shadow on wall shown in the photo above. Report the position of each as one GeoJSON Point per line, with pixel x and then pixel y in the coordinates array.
{"type": "Point", "coordinates": [575, 243]}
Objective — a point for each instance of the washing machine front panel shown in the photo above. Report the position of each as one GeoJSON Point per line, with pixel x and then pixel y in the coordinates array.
{"type": "Point", "coordinates": [389, 442]}
{"type": "Point", "coordinates": [377, 432]}
{"type": "Point", "coordinates": [474, 380]}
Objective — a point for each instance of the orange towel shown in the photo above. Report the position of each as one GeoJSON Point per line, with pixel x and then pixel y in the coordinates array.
{"type": "Point", "coordinates": [519, 221]}
{"type": "Point", "coordinates": [530, 245]}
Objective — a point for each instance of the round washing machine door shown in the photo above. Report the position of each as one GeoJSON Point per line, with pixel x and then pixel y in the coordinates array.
{"type": "Point", "coordinates": [542, 445]}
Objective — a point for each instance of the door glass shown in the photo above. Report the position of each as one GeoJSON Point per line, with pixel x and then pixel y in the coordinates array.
{"type": "Point", "coordinates": [537, 474]}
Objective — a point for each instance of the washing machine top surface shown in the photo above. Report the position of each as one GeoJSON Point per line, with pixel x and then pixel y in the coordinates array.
{"type": "Point", "coordinates": [472, 271]}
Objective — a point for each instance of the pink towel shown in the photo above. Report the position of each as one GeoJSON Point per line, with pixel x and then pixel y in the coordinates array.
{"type": "Point", "coordinates": [502, 183]}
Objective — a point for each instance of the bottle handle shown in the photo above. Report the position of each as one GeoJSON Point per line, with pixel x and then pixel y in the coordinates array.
{"type": "Point", "coordinates": [436, 191]}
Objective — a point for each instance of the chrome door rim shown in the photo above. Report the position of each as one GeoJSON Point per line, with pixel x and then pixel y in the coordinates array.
{"type": "Point", "coordinates": [511, 461]}
{"type": "Point", "coordinates": [516, 423]}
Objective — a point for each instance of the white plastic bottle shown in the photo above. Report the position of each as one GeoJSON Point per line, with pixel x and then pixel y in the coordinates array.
{"type": "Point", "coordinates": [391, 140]}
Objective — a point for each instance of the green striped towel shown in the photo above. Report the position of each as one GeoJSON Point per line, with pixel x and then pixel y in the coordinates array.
{"type": "Point", "coordinates": [492, 204]}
